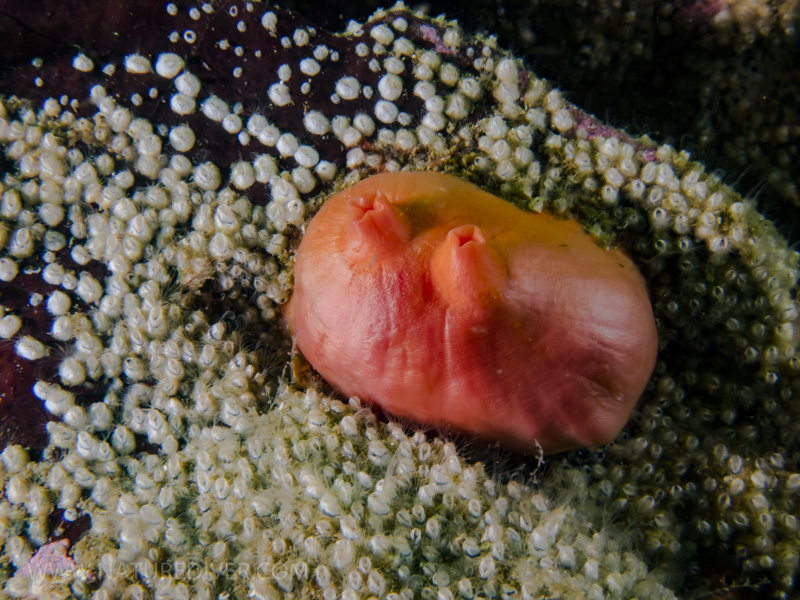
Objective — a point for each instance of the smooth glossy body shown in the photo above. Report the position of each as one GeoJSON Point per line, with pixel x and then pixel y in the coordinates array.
{"type": "Point", "coordinates": [447, 305]}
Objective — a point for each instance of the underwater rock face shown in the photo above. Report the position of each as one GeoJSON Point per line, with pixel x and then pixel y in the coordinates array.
{"type": "Point", "coordinates": [445, 304]}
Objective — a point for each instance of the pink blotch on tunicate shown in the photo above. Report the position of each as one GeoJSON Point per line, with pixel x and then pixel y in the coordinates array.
{"type": "Point", "coordinates": [450, 307]}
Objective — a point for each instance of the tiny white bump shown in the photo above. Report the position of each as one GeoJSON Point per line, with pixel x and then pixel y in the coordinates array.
{"type": "Point", "coordinates": [317, 123]}
{"type": "Point", "coordinates": [279, 94]}
{"type": "Point", "coordinates": [385, 111]}
{"type": "Point", "coordinates": [321, 52]}
{"type": "Point", "coordinates": [300, 37]}
{"type": "Point", "coordinates": [390, 86]}
{"type": "Point", "coordinates": [206, 176]}
{"type": "Point", "coordinates": [9, 326]}
{"type": "Point", "coordinates": [215, 108]}
{"type": "Point", "coordinates": [382, 34]}
{"type": "Point", "coordinates": [284, 72]}
{"type": "Point", "coordinates": [242, 175]}
{"type": "Point", "coordinates": [563, 120]}
{"type": "Point", "coordinates": [348, 88]}
{"type": "Point", "coordinates": [182, 104]}
{"type": "Point", "coordinates": [136, 63]}
{"type": "Point", "coordinates": [287, 144]}
{"type": "Point", "coordinates": [182, 138]}
{"type": "Point", "coordinates": [168, 65]}
{"type": "Point", "coordinates": [232, 123]}
{"type": "Point", "coordinates": [187, 83]}
{"type": "Point", "coordinates": [306, 156]}
{"type": "Point", "coordinates": [8, 269]}
{"type": "Point", "coordinates": [30, 348]}
{"type": "Point", "coordinates": [269, 20]}
{"type": "Point", "coordinates": [81, 62]}
{"type": "Point", "coordinates": [309, 66]}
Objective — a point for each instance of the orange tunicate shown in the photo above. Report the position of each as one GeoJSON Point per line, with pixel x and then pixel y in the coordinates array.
{"type": "Point", "coordinates": [449, 306]}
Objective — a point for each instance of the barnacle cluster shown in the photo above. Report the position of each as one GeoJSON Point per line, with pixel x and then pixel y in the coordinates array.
{"type": "Point", "coordinates": [718, 74]}
{"type": "Point", "coordinates": [159, 275]}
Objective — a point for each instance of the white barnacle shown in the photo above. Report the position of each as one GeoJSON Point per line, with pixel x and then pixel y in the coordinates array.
{"type": "Point", "coordinates": [394, 65]}
{"type": "Point", "coordinates": [111, 364]}
{"type": "Point", "coordinates": [156, 324]}
{"type": "Point", "coordinates": [424, 90]}
{"type": "Point", "coordinates": [220, 246]}
{"type": "Point", "coordinates": [83, 63]}
{"type": "Point", "coordinates": [390, 86]}
{"type": "Point", "coordinates": [86, 445]}
{"type": "Point", "coordinates": [378, 453]}
{"type": "Point", "coordinates": [133, 368]}
{"type": "Point", "coordinates": [306, 156]}
{"type": "Point", "coordinates": [100, 416]}
{"type": "Point", "coordinates": [71, 372]}
{"type": "Point", "coordinates": [206, 176]}
{"type": "Point", "coordinates": [300, 37]}
{"type": "Point", "coordinates": [350, 137]}
{"type": "Point", "coordinates": [256, 124]}
{"type": "Point", "coordinates": [457, 106]}
{"type": "Point", "coordinates": [242, 175]}
{"type": "Point", "coordinates": [119, 120]}
{"type": "Point", "coordinates": [471, 88]}
{"type": "Point", "coordinates": [61, 435]}
{"type": "Point", "coordinates": [664, 174]}
{"type": "Point", "coordinates": [386, 112]}
{"type": "Point", "coordinates": [89, 289]}
{"type": "Point", "coordinates": [563, 120]}
{"type": "Point", "coordinates": [506, 70]}
{"type": "Point", "coordinates": [37, 503]}
{"type": "Point", "coordinates": [182, 104]}
{"type": "Point", "coordinates": [156, 427]}
{"type": "Point", "coordinates": [287, 144]}
{"type": "Point", "coordinates": [326, 170]}
{"type": "Point", "coordinates": [149, 144]}
{"type": "Point", "coordinates": [279, 94]}
{"type": "Point", "coordinates": [270, 135]}
{"type": "Point", "coordinates": [364, 124]}
{"type": "Point", "coordinates": [16, 490]}
{"type": "Point", "coordinates": [188, 84]}
{"type": "Point", "coordinates": [348, 88]}
{"type": "Point", "coordinates": [423, 72]}
{"type": "Point", "coordinates": [309, 66]}
{"type": "Point", "coordinates": [30, 348]}
{"type": "Point", "coordinates": [591, 569]}
{"type": "Point", "coordinates": [232, 123]}
{"type": "Point", "coordinates": [136, 63]}
{"type": "Point", "coordinates": [382, 34]}
{"type": "Point", "coordinates": [448, 74]}
{"type": "Point", "coordinates": [56, 399]}
{"type": "Point", "coordinates": [302, 177]}
{"type": "Point", "coordinates": [284, 72]}
{"type": "Point", "coordinates": [22, 243]}
{"type": "Point", "coordinates": [168, 65]}
{"type": "Point", "coordinates": [51, 214]}
{"type": "Point", "coordinates": [269, 20]}
{"type": "Point", "coordinates": [182, 138]}
{"type": "Point", "coordinates": [215, 108]}
{"type": "Point", "coordinates": [10, 204]}
{"type": "Point", "coordinates": [122, 440]}
{"type": "Point", "coordinates": [14, 458]}
{"type": "Point", "coordinates": [377, 504]}
{"type": "Point", "coordinates": [8, 269]}
{"type": "Point", "coordinates": [9, 326]}
{"type": "Point", "coordinates": [648, 174]}
{"type": "Point", "coordinates": [349, 528]}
